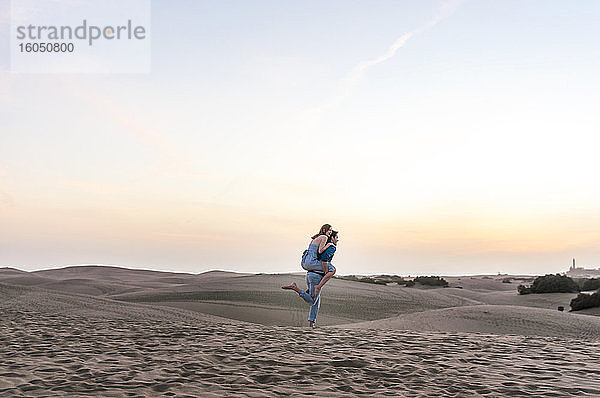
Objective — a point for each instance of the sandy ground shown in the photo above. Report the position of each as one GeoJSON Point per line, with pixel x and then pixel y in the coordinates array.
{"type": "Point", "coordinates": [99, 331]}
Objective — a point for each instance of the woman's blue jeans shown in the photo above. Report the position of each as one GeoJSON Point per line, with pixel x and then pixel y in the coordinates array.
{"type": "Point", "coordinates": [312, 280]}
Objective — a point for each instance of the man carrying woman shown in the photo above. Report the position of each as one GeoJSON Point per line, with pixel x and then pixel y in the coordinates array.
{"type": "Point", "coordinates": [316, 260]}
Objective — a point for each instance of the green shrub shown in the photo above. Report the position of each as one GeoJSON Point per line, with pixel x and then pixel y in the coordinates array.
{"type": "Point", "coordinates": [391, 279]}
{"type": "Point", "coordinates": [590, 284]}
{"type": "Point", "coordinates": [364, 279]}
{"type": "Point", "coordinates": [524, 279]}
{"type": "Point", "coordinates": [409, 283]}
{"type": "Point", "coordinates": [368, 279]}
{"type": "Point", "coordinates": [550, 284]}
{"type": "Point", "coordinates": [431, 280]}
{"type": "Point", "coordinates": [554, 284]}
{"type": "Point", "coordinates": [347, 278]}
{"type": "Point", "coordinates": [522, 289]}
{"type": "Point", "coordinates": [584, 300]}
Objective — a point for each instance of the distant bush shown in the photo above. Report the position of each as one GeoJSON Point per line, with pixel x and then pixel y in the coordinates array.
{"type": "Point", "coordinates": [507, 280]}
{"type": "Point", "coordinates": [522, 289]}
{"type": "Point", "coordinates": [365, 279]}
{"type": "Point", "coordinates": [584, 300]}
{"type": "Point", "coordinates": [431, 280]}
{"type": "Point", "coordinates": [347, 278]}
{"type": "Point", "coordinates": [550, 284]}
{"type": "Point", "coordinates": [524, 279]}
{"type": "Point", "coordinates": [554, 284]}
{"type": "Point", "coordinates": [590, 284]}
{"type": "Point", "coordinates": [391, 279]}
{"type": "Point", "coordinates": [387, 279]}
{"type": "Point", "coordinates": [368, 279]}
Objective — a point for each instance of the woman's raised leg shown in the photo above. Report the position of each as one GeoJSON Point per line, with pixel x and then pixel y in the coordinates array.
{"type": "Point", "coordinates": [327, 277]}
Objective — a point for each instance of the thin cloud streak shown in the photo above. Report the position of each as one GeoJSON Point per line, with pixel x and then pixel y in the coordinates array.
{"type": "Point", "coordinates": [359, 70]}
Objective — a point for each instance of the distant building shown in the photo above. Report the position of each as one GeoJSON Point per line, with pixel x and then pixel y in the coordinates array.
{"type": "Point", "coordinates": [579, 272]}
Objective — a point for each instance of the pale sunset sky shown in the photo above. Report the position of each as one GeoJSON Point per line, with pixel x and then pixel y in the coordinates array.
{"type": "Point", "coordinates": [438, 137]}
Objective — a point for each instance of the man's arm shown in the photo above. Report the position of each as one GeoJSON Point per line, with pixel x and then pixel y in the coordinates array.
{"type": "Point", "coordinates": [323, 245]}
{"type": "Point", "coordinates": [327, 256]}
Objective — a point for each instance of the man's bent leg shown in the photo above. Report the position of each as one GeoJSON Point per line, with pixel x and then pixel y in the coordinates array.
{"type": "Point", "coordinates": [313, 280]}
{"type": "Point", "coordinates": [314, 309]}
{"type": "Point", "coordinates": [307, 296]}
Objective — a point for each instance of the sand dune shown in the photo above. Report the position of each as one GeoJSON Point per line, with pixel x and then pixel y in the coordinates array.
{"type": "Point", "coordinates": [56, 344]}
{"type": "Point", "coordinates": [42, 301]}
{"type": "Point", "coordinates": [494, 319]}
{"type": "Point", "coordinates": [486, 282]}
{"type": "Point", "coordinates": [259, 298]}
{"type": "Point", "coordinates": [89, 286]}
{"type": "Point", "coordinates": [142, 333]}
{"type": "Point", "coordinates": [26, 280]}
{"type": "Point", "coordinates": [106, 273]}
{"type": "Point", "coordinates": [7, 272]}
{"type": "Point", "coordinates": [345, 300]}
{"type": "Point", "coordinates": [549, 301]}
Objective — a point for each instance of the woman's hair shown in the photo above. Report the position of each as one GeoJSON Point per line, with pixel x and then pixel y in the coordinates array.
{"type": "Point", "coordinates": [322, 231]}
{"type": "Point", "coordinates": [333, 235]}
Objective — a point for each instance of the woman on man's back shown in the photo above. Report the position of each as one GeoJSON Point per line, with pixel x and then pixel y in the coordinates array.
{"type": "Point", "coordinates": [317, 261]}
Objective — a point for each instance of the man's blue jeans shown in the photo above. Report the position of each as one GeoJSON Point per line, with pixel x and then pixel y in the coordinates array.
{"type": "Point", "coordinates": [312, 280]}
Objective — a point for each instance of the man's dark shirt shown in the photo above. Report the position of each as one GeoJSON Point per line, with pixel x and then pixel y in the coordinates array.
{"type": "Point", "coordinates": [327, 255]}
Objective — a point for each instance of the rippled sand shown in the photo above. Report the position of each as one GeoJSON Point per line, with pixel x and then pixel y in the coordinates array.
{"type": "Point", "coordinates": [56, 343]}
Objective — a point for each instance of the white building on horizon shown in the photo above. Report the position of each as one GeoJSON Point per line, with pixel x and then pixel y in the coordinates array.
{"type": "Point", "coordinates": [580, 272]}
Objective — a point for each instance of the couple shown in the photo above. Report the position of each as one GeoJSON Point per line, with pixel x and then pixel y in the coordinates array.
{"type": "Point", "coordinates": [317, 261]}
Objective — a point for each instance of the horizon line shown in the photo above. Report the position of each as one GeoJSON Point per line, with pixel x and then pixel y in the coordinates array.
{"type": "Point", "coordinates": [257, 273]}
